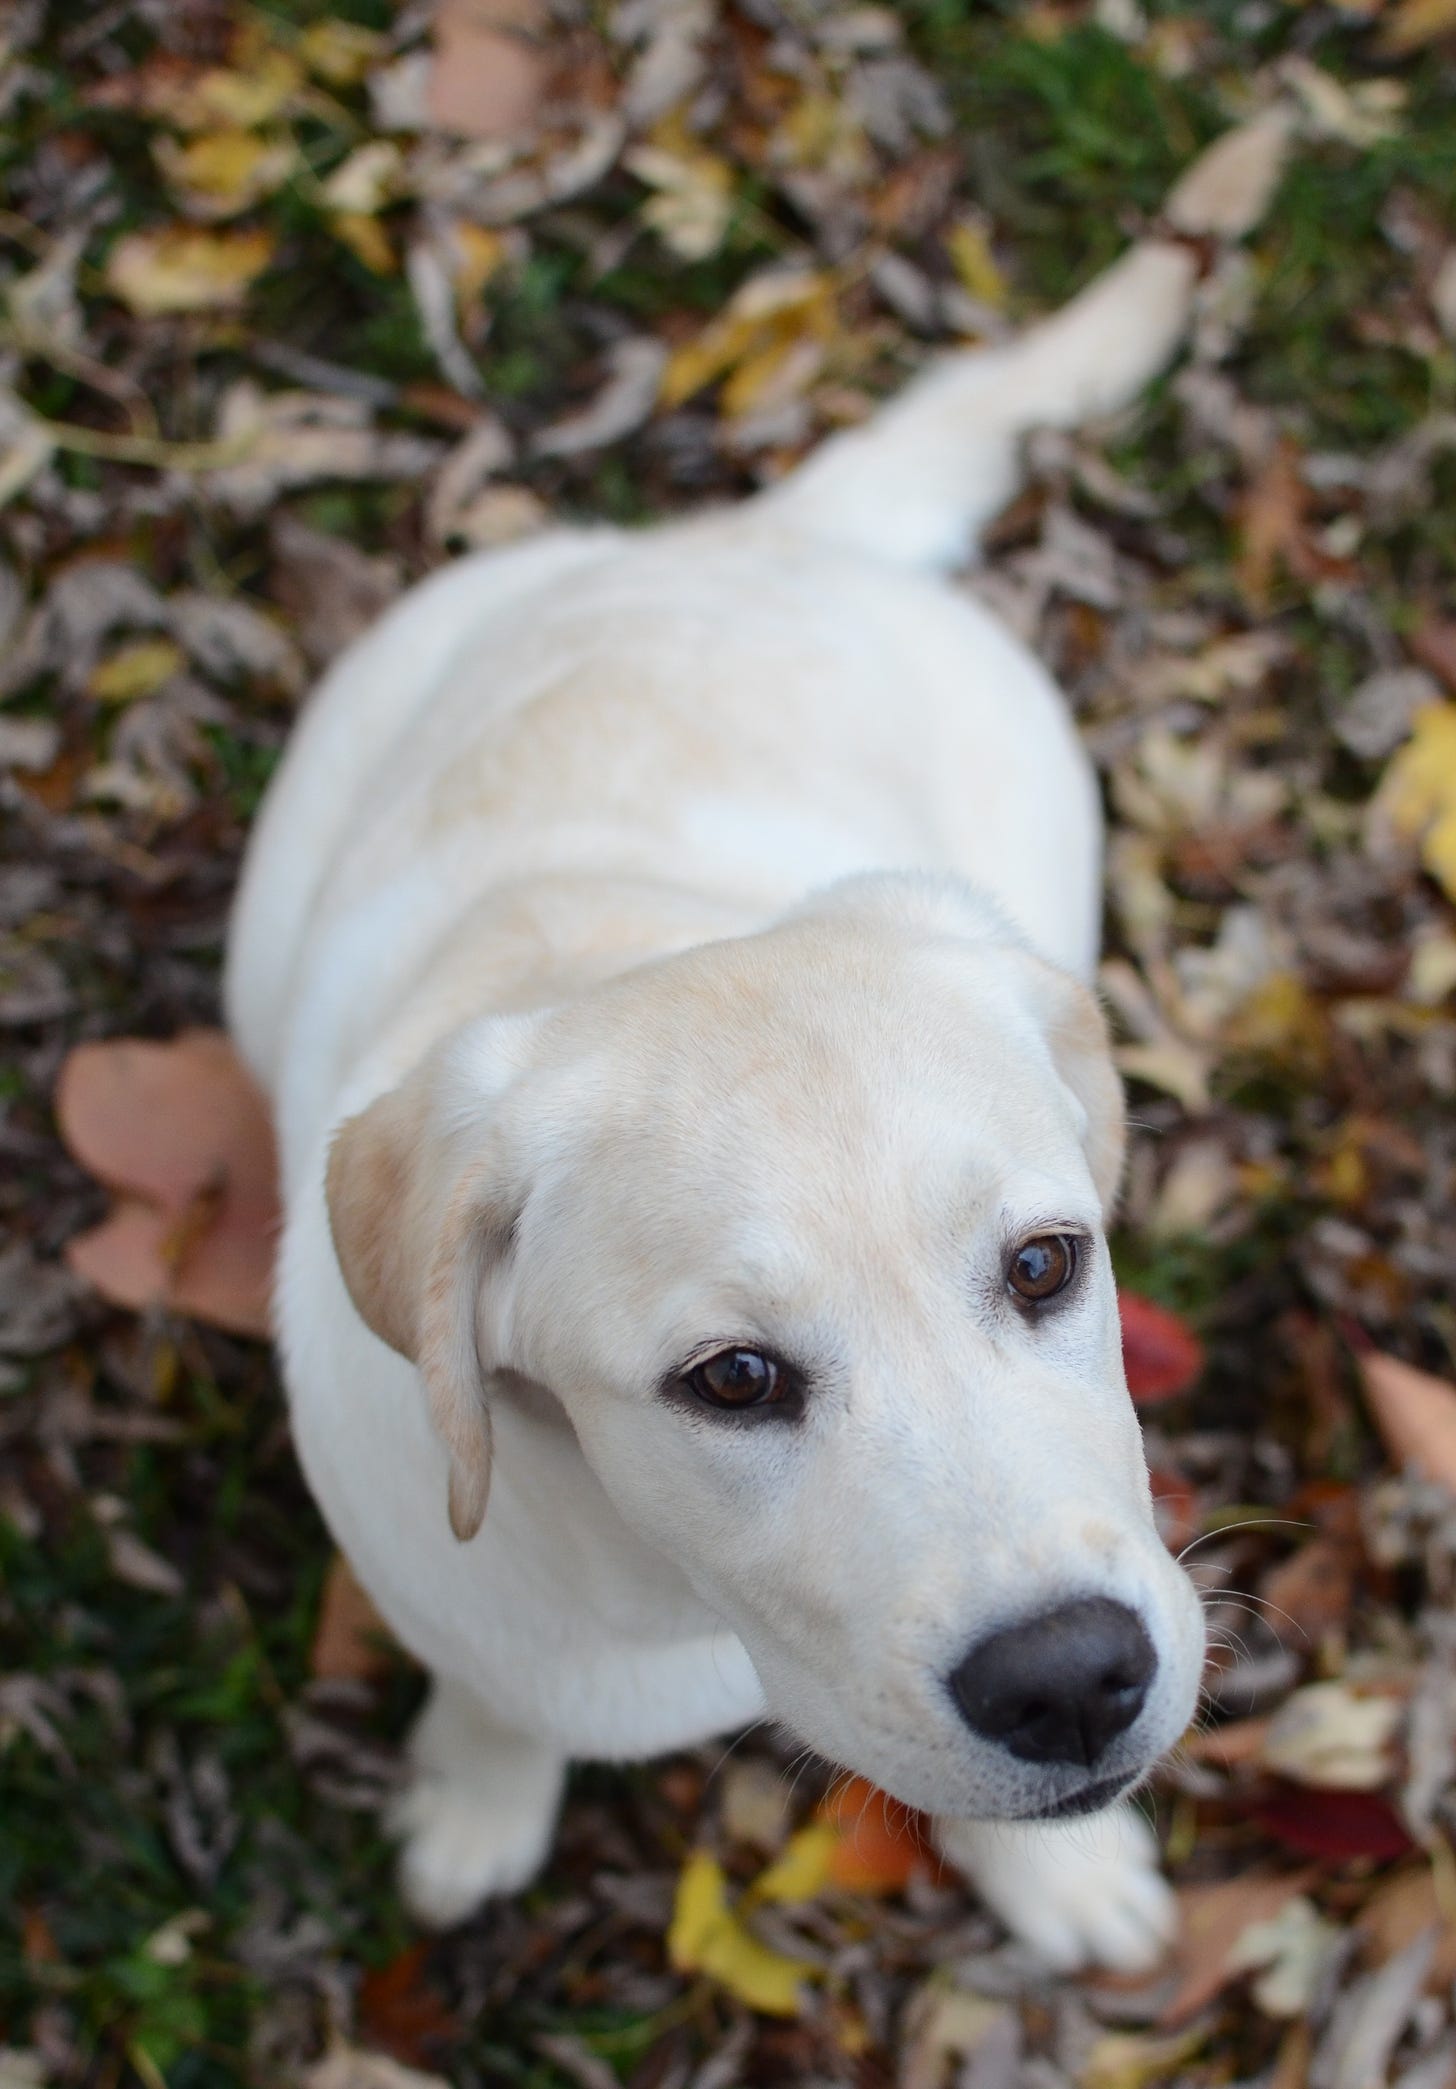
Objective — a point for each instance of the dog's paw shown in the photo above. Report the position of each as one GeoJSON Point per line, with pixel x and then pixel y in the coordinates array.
{"type": "Point", "coordinates": [1080, 1893]}
{"type": "Point", "coordinates": [463, 1845]}
{"type": "Point", "coordinates": [476, 1818]}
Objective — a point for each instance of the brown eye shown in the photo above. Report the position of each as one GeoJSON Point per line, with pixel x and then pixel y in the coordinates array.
{"type": "Point", "coordinates": [737, 1378]}
{"type": "Point", "coordinates": [1042, 1266]}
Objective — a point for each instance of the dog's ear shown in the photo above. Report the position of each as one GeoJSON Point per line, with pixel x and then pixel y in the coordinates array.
{"type": "Point", "coordinates": [1081, 1049]}
{"type": "Point", "coordinates": [420, 1233]}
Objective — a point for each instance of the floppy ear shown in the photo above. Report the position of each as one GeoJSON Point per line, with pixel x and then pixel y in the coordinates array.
{"type": "Point", "coordinates": [1076, 1030]}
{"type": "Point", "coordinates": [418, 1236]}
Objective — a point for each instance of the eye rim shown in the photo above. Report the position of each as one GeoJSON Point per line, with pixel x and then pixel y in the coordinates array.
{"type": "Point", "coordinates": [1071, 1241]}
{"type": "Point", "coordinates": [784, 1402]}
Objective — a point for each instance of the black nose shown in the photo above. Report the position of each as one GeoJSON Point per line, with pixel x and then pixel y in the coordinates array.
{"type": "Point", "coordinates": [1060, 1687]}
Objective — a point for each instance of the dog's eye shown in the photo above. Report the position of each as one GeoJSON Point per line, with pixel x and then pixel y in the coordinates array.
{"type": "Point", "coordinates": [1042, 1266]}
{"type": "Point", "coordinates": [738, 1378]}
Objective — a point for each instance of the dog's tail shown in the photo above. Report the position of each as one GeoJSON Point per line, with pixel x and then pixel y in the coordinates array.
{"type": "Point", "coordinates": [918, 482]}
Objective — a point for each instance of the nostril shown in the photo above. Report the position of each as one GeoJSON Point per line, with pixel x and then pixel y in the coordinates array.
{"type": "Point", "coordinates": [1061, 1687]}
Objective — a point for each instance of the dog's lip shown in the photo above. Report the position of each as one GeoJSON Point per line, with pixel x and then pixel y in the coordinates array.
{"type": "Point", "coordinates": [1089, 1798]}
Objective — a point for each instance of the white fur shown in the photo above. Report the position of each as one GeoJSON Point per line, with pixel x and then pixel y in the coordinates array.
{"type": "Point", "coordinates": [563, 846]}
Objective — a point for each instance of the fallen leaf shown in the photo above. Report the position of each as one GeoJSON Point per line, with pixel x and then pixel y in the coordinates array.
{"type": "Point", "coordinates": [1273, 517]}
{"type": "Point", "coordinates": [351, 1642]}
{"type": "Point", "coordinates": [179, 269]}
{"type": "Point", "coordinates": [881, 1844]}
{"type": "Point", "coordinates": [1402, 1909]}
{"type": "Point", "coordinates": [801, 1870]}
{"type": "Point", "coordinates": [1212, 1919]}
{"type": "Point", "coordinates": [1329, 1735]}
{"type": "Point", "coordinates": [1418, 791]}
{"type": "Point", "coordinates": [707, 1937]}
{"type": "Point", "coordinates": [1416, 22]}
{"type": "Point", "coordinates": [944, 2023]}
{"type": "Point", "coordinates": [134, 670]}
{"type": "Point", "coordinates": [348, 2067]}
{"type": "Point", "coordinates": [692, 202]}
{"type": "Point", "coordinates": [222, 173]}
{"type": "Point", "coordinates": [163, 1125]}
{"type": "Point", "coordinates": [1160, 1352]}
{"type": "Point", "coordinates": [1415, 1414]}
{"type": "Point", "coordinates": [1290, 1952]}
{"type": "Point", "coordinates": [1334, 1826]}
{"type": "Point", "coordinates": [339, 52]}
{"type": "Point", "coordinates": [400, 2009]}
{"type": "Point", "coordinates": [486, 77]}
{"type": "Point", "coordinates": [975, 264]}
{"type": "Point", "coordinates": [764, 320]}
{"type": "Point", "coordinates": [1129, 2059]}
{"type": "Point", "coordinates": [1308, 1595]}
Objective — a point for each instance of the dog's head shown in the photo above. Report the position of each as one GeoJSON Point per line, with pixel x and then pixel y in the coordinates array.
{"type": "Point", "coordinates": [803, 1232]}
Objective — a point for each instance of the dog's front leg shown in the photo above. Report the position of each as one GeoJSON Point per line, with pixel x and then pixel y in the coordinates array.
{"type": "Point", "coordinates": [477, 1815]}
{"type": "Point", "coordinates": [1083, 1892]}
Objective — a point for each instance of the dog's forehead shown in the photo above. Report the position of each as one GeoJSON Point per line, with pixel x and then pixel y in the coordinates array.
{"type": "Point", "coordinates": [785, 1070]}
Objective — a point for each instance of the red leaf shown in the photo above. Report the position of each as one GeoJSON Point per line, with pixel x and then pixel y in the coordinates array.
{"type": "Point", "coordinates": [1333, 1826]}
{"type": "Point", "coordinates": [1161, 1353]}
{"type": "Point", "coordinates": [401, 2010]}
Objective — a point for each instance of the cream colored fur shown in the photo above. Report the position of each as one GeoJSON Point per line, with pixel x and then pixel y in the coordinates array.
{"type": "Point", "coordinates": [662, 940]}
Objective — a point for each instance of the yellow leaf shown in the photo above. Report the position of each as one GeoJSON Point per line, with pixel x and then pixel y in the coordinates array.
{"type": "Point", "coordinates": [339, 52]}
{"type": "Point", "coordinates": [707, 1937]}
{"type": "Point", "coordinates": [365, 238]}
{"type": "Point", "coordinates": [247, 94]}
{"type": "Point", "coordinates": [176, 269]}
{"type": "Point", "coordinates": [975, 264]}
{"type": "Point", "coordinates": [134, 670]}
{"type": "Point", "coordinates": [802, 1867]}
{"type": "Point", "coordinates": [1419, 790]}
{"type": "Point", "coordinates": [693, 203]}
{"type": "Point", "coordinates": [479, 252]}
{"type": "Point", "coordinates": [1417, 22]}
{"type": "Point", "coordinates": [366, 180]}
{"type": "Point", "coordinates": [220, 173]}
{"type": "Point", "coordinates": [769, 313]}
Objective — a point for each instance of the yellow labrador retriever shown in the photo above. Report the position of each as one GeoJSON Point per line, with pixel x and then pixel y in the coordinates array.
{"type": "Point", "coordinates": [667, 955]}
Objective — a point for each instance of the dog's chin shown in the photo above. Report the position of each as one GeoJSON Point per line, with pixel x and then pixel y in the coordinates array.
{"type": "Point", "coordinates": [1091, 1798]}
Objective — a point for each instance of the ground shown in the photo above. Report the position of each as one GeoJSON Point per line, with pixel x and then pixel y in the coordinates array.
{"type": "Point", "coordinates": [279, 335]}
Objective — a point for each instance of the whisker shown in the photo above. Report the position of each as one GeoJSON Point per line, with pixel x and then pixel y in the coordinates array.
{"type": "Point", "coordinates": [1224, 1530]}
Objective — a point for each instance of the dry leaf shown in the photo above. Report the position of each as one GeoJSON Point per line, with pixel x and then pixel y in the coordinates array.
{"type": "Point", "coordinates": [340, 53]}
{"type": "Point", "coordinates": [134, 670]}
{"type": "Point", "coordinates": [178, 269]}
{"type": "Point", "coordinates": [1212, 1919]}
{"type": "Point", "coordinates": [1415, 1414]}
{"type": "Point", "coordinates": [1329, 1735]}
{"type": "Point", "coordinates": [693, 200]}
{"type": "Point", "coordinates": [221, 173]}
{"type": "Point", "coordinates": [1418, 791]}
{"type": "Point", "coordinates": [770, 315]}
{"type": "Point", "coordinates": [175, 1129]}
{"type": "Point", "coordinates": [348, 2067]}
{"type": "Point", "coordinates": [707, 1937]}
{"type": "Point", "coordinates": [486, 77]}
{"type": "Point", "coordinates": [1416, 22]}
{"type": "Point", "coordinates": [1290, 1952]}
{"type": "Point", "coordinates": [881, 1844]}
{"type": "Point", "coordinates": [351, 1639]}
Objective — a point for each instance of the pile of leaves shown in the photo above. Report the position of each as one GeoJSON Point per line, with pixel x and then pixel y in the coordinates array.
{"type": "Point", "coordinates": [299, 301]}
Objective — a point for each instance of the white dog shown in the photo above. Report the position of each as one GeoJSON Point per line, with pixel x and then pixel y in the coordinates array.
{"type": "Point", "coordinates": [667, 955]}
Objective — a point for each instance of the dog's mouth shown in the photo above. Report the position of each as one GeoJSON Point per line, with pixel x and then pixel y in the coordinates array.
{"type": "Point", "coordinates": [1090, 1799]}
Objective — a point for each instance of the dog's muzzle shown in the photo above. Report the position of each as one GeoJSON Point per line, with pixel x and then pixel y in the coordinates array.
{"type": "Point", "coordinates": [1059, 1688]}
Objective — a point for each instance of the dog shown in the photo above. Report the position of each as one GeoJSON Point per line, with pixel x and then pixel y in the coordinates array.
{"type": "Point", "coordinates": [667, 954]}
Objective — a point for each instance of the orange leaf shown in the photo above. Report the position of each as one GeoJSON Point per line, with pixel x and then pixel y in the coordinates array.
{"type": "Point", "coordinates": [882, 1844]}
{"type": "Point", "coordinates": [1415, 1414]}
{"type": "Point", "coordinates": [182, 1135]}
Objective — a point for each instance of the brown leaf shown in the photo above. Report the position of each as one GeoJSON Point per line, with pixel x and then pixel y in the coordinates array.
{"type": "Point", "coordinates": [1273, 517]}
{"type": "Point", "coordinates": [1212, 1920]}
{"type": "Point", "coordinates": [1433, 643]}
{"type": "Point", "coordinates": [1415, 1414]}
{"type": "Point", "coordinates": [487, 76]}
{"type": "Point", "coordinates": [1308, 1595]}
{"type": "Point", "coordinates": [1402, 1909]}
{"type": "Point", "coordinates": [350, 1638]}
{"type": "Point", "coordinates": [401, 2010]}
{"type": "Point", "coordinates": [183, 1136]}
